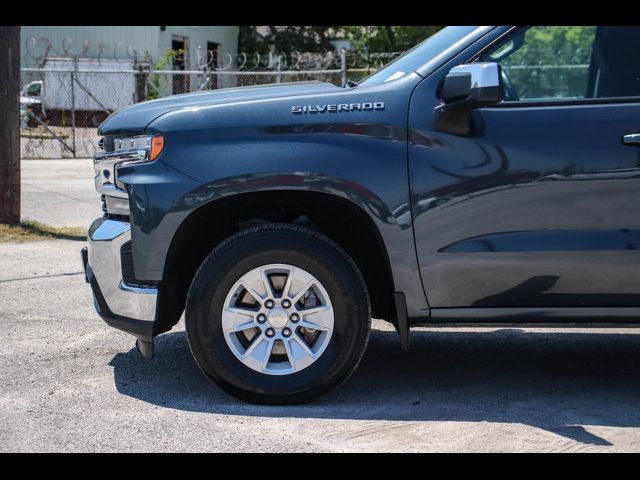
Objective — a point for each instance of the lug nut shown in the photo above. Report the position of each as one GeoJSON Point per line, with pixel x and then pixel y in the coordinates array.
{"type": "Point", "coordinates": [269, 303]}
{"type": "Point", "coordinates": [270, 332]}
{"type": "Point", "coordinates": [262, 318]}
{"type": "Point", "coordinates": [286, 303]}
{"type": "Point", "coordinates": [286, 332]}
{"type": "Point", "coordinates": [295, 317]}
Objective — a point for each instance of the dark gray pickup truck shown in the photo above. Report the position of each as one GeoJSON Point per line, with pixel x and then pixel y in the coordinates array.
{"type": "Point", "coordinates": [488, 176]}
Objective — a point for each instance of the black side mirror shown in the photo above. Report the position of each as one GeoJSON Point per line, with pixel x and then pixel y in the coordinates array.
{"type": "Point", "coordinates": [465, 88]}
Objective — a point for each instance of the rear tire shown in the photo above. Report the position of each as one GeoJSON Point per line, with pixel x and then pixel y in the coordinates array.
{"type": "Point", "coordinates": [264, 353]}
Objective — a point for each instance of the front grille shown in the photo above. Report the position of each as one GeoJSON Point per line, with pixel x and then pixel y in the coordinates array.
{"type": "Point", "coordinates": [103, 205]}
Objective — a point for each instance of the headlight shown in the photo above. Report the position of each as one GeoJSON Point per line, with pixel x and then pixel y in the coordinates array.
{"type": "Point", "coordinates": [131, 143]}
{"type": "Point", "coordinates": [140, 148]}
{"type": "Point", "coordinates": [122, 151]}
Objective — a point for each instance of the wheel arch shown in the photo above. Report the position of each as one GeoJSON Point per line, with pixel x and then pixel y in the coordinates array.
{"type": "Point", "coordinates": [339, 218]}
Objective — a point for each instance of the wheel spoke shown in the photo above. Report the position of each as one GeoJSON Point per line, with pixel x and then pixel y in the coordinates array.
{"type": "Point", "coordinates": [287, 285]}
{"type": "Point", "coordinates": [267, 284]}
{"type": "Point", "coordinates": [253, 292]}
{"type": "Point", "coordinates": [302, 291]}
{"type": "Point", "coordinates": [267, 353]}
{"type": "Point", "coordinates": [299, 353]}
{"type": "Point", "coordinates": [238, 319]}
{"type": "Point", "coordinates": [290, 356]}
{"type": "Point", "coordinates": [300, 341]}
{"type": "Point", "coordinates": [320, 309]}
{"type": "Point", "coordinates": [318, 318]}
{"type": "Point", "coordinates": [253, 346]}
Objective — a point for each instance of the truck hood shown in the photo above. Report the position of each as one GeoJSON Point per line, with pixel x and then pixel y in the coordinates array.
{"type": "Point", "coordinates": [134, 119]}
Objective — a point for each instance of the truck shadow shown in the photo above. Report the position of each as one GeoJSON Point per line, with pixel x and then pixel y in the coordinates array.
{"type": "Point", "coordinates": [558, 382]}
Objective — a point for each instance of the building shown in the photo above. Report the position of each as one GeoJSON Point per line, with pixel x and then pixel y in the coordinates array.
{"type": "Point", "coordinates": [198, 46]}
{"type": "Point", "coordinates": [123, 41]}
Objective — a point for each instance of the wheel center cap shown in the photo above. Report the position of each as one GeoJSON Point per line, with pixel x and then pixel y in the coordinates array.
{"type": "Point", "coordinates": [278, 317]}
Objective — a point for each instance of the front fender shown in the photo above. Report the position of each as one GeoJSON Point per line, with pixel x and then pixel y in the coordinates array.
{"type": "Point", "coordinates": [221, 151]}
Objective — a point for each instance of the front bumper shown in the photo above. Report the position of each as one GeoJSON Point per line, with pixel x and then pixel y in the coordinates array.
{"type": "Point", "coordinates": [126, 307]}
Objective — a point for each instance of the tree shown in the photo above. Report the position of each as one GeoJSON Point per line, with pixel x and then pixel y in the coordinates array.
{"type": "Point", "coordinates": [9, 125]}
{"type": "Point", "coordinates": [563, 51]}
{"type": "Point", "coordinates": [285, 39]}
{"type": "Point", "coordinates": [379, 39]}
{"type": "Point", "coordinates": [320, 38]}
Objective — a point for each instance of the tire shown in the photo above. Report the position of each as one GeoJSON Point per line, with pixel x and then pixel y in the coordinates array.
{"type": "Point", "coordinates": [338, 292]}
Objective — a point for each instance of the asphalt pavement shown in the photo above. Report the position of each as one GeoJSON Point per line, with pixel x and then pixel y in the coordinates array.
{"type": "Point", "coordinates": [71, 383]}
{"type": "Point", "coordinates": [59, 192]}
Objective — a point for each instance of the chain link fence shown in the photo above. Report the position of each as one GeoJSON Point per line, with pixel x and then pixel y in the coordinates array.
{"type": "Point", "coordinates": [66, 94]}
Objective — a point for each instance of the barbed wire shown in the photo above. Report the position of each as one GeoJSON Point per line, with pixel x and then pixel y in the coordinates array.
{"type": "Point", "coordinates": [40, 49]}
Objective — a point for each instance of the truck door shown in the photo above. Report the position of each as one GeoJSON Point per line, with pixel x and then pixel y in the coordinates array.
{"type": "Point", "coordinates": [540, 205]}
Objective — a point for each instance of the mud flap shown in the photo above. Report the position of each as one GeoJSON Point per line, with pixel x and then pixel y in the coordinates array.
{"type": "Point", "coordinates": [402, 324]}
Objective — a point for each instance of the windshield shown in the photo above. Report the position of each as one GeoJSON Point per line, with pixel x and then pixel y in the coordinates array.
{"type": "Point", "coordinates": [414, 58]}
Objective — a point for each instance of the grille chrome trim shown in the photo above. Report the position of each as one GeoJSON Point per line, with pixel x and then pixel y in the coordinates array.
{"type": "Point", "coordinates": [105, 167]}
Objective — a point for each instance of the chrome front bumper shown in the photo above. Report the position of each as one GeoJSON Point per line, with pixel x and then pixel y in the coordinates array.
{"type": "Point", "coordinates": [123, 304]}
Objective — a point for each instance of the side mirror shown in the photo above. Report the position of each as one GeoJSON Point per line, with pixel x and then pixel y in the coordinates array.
{"type": "Point", "coordinates": [463, 89]}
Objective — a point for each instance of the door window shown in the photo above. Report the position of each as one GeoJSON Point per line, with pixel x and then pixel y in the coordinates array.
{"type": "Point", "coordinates": [547, 63]}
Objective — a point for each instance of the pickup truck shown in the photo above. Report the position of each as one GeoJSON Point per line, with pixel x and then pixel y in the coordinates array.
{"type": "Point", "coordinates": [488, 176]}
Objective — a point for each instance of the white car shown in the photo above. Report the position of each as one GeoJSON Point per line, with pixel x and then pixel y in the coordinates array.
{"type": "Point", "coordinates": [30, 98]}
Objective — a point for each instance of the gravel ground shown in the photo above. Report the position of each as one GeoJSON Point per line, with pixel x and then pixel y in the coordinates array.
{"type": "Point", "coordinates": [60, 193]}
{"type": "Point", "coordinates": [70, 383]}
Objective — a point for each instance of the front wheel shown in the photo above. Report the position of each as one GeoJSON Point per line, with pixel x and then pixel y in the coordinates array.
{"type": "Point", "coordinates": [278, 314]}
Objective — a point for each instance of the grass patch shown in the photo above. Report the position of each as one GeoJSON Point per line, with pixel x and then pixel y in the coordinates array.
{"type": "Point", "coordinates": [30, 230]}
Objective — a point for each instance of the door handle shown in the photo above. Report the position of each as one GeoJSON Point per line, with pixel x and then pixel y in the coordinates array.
{"type": "Point", "coordinates": [631, 139]}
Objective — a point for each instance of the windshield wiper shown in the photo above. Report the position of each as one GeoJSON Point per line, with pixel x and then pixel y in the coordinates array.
{"type": "Point", "coordinates": [350, 84]}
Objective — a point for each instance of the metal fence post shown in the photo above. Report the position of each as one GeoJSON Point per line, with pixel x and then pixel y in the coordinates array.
{"type": "Point", "coordinates": [73, 106]}
{"type": "Point", "coordinates": [279, 77]}
{"type": "Point", "coordinates": [206, 84]}
{"type": "Point", "coordinates": [343, 66]}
